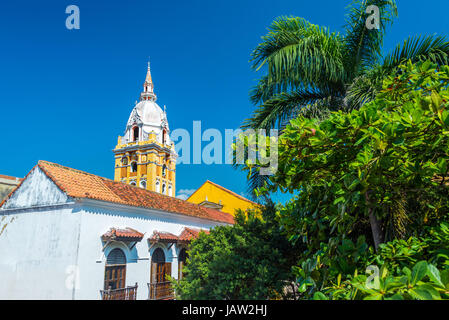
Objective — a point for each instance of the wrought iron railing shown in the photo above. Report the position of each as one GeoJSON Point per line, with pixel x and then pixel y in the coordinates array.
{"type": "Point", "coordinates": [128, 293]}
{"type": "Point", "coordinates": [161, 291]}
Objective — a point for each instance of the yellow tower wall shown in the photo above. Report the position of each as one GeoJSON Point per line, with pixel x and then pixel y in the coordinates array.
{"type": "Point", "coordinates": [150, 156]}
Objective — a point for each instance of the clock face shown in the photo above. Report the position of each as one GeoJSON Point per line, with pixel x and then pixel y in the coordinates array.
{"type": "Point", "coordinates": [144, 158]}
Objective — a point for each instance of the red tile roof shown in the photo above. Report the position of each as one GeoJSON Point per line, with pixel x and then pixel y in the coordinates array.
{"type": "Point", "coordinates": [122, 234]}
{"type": "Point", "coordinates": [79, 184]}
{"type": "Point", "coordinates": [187, 235]}
{"type": "Point", "coordinates": [163, 236]}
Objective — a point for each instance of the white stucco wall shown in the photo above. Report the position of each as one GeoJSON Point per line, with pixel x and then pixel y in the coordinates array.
{"type": "Point", "coordinates": [36, 249]}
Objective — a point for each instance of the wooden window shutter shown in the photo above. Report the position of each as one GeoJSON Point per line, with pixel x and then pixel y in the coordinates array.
{"type": "Point", "coordinates": [153, 272]}
{"type": "Point", "coordinates": [167, 270]}
{"type": "Point", "coordinates": [115, 270]}
{"type": "Point", "coordinates": [123, 277]}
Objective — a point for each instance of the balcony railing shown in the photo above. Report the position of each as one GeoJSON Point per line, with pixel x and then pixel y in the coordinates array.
{"type": "Point", "coordinates": [128, 293]}
{"type": "Point", "coordinates": [161, 291]}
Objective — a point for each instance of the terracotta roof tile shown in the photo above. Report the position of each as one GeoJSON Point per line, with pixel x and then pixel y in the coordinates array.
{"type": "Point", "coordinates": [127, 233]}
{"type": "Point", "coordinates": [79, 184]}
{"type": "Point", "coordinates": [188, 234]}
{"type": "Point", "coordinates": [163, 236]}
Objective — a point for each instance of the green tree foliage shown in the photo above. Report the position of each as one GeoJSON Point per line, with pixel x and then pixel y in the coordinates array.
{"type": "Point", "coordinates": [381, 163]}
{"type": "Point", "coordinates": [416, 268]}
{"type": "Point", "coordinates": [250, 260]}
{"type": "Point", "coordinates": [312, 71]}
{"type": "Point", "coordinates": [372, 191]}
{"type": "Point", "coordinates": [423, 282]}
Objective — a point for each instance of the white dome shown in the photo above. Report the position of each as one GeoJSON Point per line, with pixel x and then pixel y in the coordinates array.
{"type": "Point", "coordinates": [148, 112]}
{"type": "Point", "coordinates": [147, 117]}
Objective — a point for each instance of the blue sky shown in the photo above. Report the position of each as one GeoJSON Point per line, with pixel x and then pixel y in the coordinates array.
{"type": "Point", "coordinates": [65, 95]}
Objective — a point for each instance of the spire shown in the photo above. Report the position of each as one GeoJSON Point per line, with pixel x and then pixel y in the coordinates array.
{"type": "Point", "coordinates": [148, 78]}
{"type": "Point", "coordinates": [148, 87]}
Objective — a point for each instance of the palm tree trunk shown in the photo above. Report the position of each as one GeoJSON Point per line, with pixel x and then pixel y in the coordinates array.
{"type": "Point", "coordinates": [376, 227]}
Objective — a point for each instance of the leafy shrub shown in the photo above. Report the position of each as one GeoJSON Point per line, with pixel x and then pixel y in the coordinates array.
{"type": "Point", "coordinates": [423, 282]}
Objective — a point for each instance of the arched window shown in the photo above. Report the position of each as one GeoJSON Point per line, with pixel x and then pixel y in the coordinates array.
{"type": "Point", "coordinates": [134, 167]}
{"type": "Point", "coordinates": [133, 183]}
{"type": "Point", "coordinates": [115, 270]}
{"type": "Point", "coordinates": [164, 170]}
{"type": "Point", "coordinates": [164, 136]}
{"type": "Point", "coordinates": [158, 256]}
{"type": "Point", "coordinates": [160, 286]}
{"type": "Point", "coordinates": [163, 188]}
{"type": "Point", "coordinates": [135, 133]}
{"type": "Point", "coordinates": [170, 192]}
{"type": "Point", "coordinates": [158, 186]}
{"type": "Point", "coordinates": [143, 184]}
{"type": "Point", "coordinates": [182, 258]}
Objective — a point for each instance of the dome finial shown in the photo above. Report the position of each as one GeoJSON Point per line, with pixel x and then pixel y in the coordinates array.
{"type": "Point", "coordinates": [148, 78]}
{"type": "Point", "coordinates": [148, 86]}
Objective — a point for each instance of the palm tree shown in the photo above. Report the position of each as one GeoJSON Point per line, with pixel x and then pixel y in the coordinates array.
{"type": "Point", "coordinates": [312, 71]}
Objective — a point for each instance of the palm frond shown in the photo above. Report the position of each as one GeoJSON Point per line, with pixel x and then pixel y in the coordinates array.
{"type": "Point", "coordinates": [255, 181]}
{"type": "Point", "coordinates": [365, 87]}
{"type": "Point", "coordinates": [263, 91]}
{"type": "Point", "coordinates": [362, 45]}
{"type": "Point", "coordinates": [418, 48]}
{"type": "Point", "coordinates": [281, 107]}
{"type": "Point", "coordinates": [299, 53]}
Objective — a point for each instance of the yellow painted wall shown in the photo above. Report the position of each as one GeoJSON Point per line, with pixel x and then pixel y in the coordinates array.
{"type": "Point", "coordinates": [230, 201]}
{"type": "Point", "coordinates": [149, 166]}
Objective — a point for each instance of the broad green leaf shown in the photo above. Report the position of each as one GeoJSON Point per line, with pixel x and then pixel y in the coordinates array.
{"type": "Point", "coordinates": [319, 296]}
{"type": "Point", "coordinates": [376, 296]}
{"type": "Point", "coordinates": [418, 272]}
{"type": "Point", "coordinates": [420, 294]}
{"type": "Point", "coordinates": [434, 274]}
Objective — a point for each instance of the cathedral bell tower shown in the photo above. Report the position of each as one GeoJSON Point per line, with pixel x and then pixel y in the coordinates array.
{"type": "Point", "coordinates": [145, 156]}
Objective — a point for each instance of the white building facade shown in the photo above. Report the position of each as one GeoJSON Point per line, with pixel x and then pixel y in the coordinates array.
{"type": "Point", "coordinates": [67, 234]}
